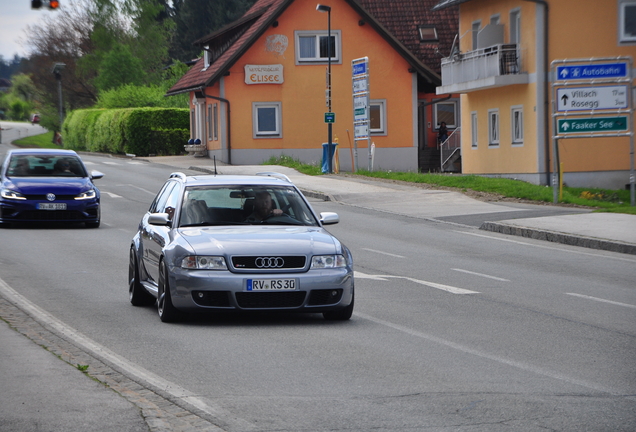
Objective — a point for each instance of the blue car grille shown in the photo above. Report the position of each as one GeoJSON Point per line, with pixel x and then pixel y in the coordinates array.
{"type": "Point", "coordinates": [269, 263]}
{"type": "Point", "coordinates": [54, 215]}
{"type": "Point", "coordinates": [43, 197]}
{"type": "Point", "coordinates": [267, 300]}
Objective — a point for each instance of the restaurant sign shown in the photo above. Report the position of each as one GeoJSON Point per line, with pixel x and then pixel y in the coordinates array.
{"type": "Point", "coordinates": [264, 74]}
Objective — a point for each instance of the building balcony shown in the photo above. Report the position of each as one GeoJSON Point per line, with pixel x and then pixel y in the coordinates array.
{"type": "Point", "coordinates": [481, 69]}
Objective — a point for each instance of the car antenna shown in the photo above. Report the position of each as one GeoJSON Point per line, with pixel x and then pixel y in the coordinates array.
{"type": "Point", "coordinates": [215, 173]}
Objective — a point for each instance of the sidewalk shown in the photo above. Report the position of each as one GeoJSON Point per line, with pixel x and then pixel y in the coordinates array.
{"type": "Point", "coordinates": [568, 225]}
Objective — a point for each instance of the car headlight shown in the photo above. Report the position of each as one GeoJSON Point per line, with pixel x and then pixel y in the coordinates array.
{"type": "Point", "coordinates": [328, 261]}
{"type": "Point", "coordinates": [11, 194]}
{"type": "Point", "coordinates": [204, 262]}
{"type": "Point", "coordinates": [89, 194]}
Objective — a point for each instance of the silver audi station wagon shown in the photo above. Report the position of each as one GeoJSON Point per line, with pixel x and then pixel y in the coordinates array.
{"type": "Point", "coordinates": [238, 243]}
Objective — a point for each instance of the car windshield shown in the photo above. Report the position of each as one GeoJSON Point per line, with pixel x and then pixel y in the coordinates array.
{"type": "Point", "coordinates": [241, 205]}
{"type": "Point", "coordinates": [45, 166]}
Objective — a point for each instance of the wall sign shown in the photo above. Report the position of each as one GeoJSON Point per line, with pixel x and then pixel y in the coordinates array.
{"type": "Point", "coordinates": [264, 74]}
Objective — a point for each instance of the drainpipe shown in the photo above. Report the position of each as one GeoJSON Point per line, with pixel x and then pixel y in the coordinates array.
{"type": "Point", "coordinates": [546, 91]}
{"type": "Point", "coordinates": [229, 129]}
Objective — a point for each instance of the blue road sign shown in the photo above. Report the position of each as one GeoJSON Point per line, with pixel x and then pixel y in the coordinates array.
{"type": "Point", "coordinates": [592, 71]}
{"type": "Point", "coordinates": [359, 68]}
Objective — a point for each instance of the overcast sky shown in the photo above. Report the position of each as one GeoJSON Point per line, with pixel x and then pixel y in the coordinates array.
{"type": "Point", "coordinates": [14, 17]}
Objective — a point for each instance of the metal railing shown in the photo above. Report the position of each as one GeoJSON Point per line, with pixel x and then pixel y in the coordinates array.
{"type": "Point", "coordinates": [482, 63]}
{"type": "Point", "coordinates": [450, 150]}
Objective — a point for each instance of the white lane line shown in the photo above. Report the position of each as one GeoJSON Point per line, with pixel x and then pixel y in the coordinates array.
{"type": "Point", "coordinates": [447, 288]}
{"type": "Point", "coordinates": [135, 163]}
{"type": "Point", "coordinates": [485, 355]}
{"type": "Point", "coordinates": [89, 163]}
{"type": "Point", "coordinates": [112, 195]}
{"type": "Point", "coordinates": [482, 275]}
{"type": "Point", "coordinates": [110, 163]}
{"type": "Point", "coordinates": [546, 247]}
{"type": "Point", "coordinates": [383, 253]}
{"type": "Point", "coordinates": [101, 352]}
{"type": "Point", "coordinates": [602, 300]}
{"type": "Point", "coordinates": [137, 187]}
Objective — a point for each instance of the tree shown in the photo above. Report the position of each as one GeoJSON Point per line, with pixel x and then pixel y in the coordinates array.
{"type": "Point", "coordinates": [119, 67]}
{"type": "Point", "coordinates": [195, 19]}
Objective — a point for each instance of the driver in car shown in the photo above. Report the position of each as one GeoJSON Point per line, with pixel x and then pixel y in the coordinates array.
{"type": "Point", "coordinates": [263, 208]}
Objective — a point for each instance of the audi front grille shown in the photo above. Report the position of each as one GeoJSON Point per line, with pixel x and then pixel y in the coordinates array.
{"type": "Point", "coordinates": [269, 262]}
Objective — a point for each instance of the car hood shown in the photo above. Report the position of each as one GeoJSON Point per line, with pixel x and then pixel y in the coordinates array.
{"type": "Point", "coordinates": [55, 185]}
{"type": "Point", "coordinates": [260, 239]}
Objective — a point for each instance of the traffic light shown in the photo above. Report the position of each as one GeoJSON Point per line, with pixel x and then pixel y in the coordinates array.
{"type": "Point", "coordinates": [52, 4]}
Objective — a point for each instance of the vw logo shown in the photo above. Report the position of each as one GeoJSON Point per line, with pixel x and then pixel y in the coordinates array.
{"type": "Point", "coordinates": [50, 197]}
{"type": "Point", "coordinates": [269, 262]}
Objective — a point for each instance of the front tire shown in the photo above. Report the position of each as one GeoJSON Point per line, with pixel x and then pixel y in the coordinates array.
{"type": "Point", "coordinates": [136, 293]}
{"type": "Point", "coordinates": [342, 314]}
{"type": "Point", "coordinates": [167, 312]}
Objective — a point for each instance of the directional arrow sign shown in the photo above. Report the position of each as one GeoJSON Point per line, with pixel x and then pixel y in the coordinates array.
{"type": "Point", "coordinates": [592, 71]}
{"type": "Point", "coordinates": [596, 124]}
{"type": "Point", "coordinates": [592, 98]}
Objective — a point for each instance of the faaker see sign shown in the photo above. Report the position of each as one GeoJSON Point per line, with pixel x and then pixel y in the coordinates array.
{"type": "Point", "coordinates": [264, 74]}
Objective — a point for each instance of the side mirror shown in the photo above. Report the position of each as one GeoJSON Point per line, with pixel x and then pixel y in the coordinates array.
{"type": "Point", "coordinates": [162, 219]}
{"type": "Point", "coordinates": [96, 175]}
{"type": "Point", "coordinates": [329, 218]}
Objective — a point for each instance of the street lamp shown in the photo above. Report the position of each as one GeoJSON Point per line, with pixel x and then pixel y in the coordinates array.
{"type": "Point", "coordinates": [325, 8]}
{"type": "Point", "coordinates": [57, 71]}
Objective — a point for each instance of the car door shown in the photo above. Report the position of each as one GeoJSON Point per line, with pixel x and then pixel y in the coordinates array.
{"type": "Point", "coordinates": [155, 237]}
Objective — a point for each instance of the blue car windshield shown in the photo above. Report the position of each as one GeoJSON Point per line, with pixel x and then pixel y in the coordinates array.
{"type": "Point", "coordinates": [241, 205]}
{"type": "Point", "coordinates": [45, 166]}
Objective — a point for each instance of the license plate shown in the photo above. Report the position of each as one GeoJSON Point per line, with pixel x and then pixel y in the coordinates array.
{"type": "Point", "coordinates": [52, 206]}
{"type": "Point", "coordinates": [271, 284]}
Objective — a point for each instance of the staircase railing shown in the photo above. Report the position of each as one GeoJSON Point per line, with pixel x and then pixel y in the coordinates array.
{"type": "Point", "coordinates": [450, 148]}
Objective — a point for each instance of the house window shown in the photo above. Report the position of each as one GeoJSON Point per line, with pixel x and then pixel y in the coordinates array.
{"type": "Point", "coordinates": [266, 119]}
{"type": "Point", "coordinates": [312, 47]}
{"type": "Point", "coordinates": [493, 127]}
{"type": "Point", "coordinates": [516, 116]}
{"type": "Point", "coordinates": [476, 26]}
{"type": "Point", "coordinates": [428, 33]}
{"type": "Point", "coordinates": [209, 123]}
{"type": "Point", "coordinates": [515, 26]}
{"type": "Point", "coordinates": [627, 25]}
{"type": "Point", "coordinates": [473, 130]}
{"type": "Point", "coordinates": [446, 112]}
{"type": "Point", "coordinates": [215, 123]}
{"type": "Point", "coordinates": [494, 19]}
{"type": "Point", "coordinates": [206, 57]}
{"type": "Point", "coordinates": [377, 117]}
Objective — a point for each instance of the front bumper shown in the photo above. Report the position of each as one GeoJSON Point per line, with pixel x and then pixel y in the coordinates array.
{"type": "Point", "coordinates": [316, 291]}
{"type": "Point", "coordinates": [27, 211]}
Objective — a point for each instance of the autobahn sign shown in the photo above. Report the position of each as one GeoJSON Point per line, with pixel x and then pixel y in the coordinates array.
{"type": "Point", "coordinates": [591, 125]}
{"type": "Point", "coordinates": [592, 71]}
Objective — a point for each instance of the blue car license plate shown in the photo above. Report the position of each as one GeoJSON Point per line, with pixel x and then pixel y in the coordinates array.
{"type": "Point", "coordinates": [271, 284]}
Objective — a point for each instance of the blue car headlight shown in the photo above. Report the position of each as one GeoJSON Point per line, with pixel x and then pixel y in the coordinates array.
{"type": "Point", "coordinates": [89, 194]}
{"type": "Point", "coordinates": [195, 262]}
{"type": "Point", "coordinates": [328, 261]}
{"type": "Point", "coordinates": [11, 194]}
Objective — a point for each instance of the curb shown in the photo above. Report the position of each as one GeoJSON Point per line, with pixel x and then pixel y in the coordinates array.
{"type": "Point", "coordinates": [558, 237]}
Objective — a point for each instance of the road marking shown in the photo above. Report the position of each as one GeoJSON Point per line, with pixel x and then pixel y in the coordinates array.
{"type": "Point", "coordinates": [111, 163]}
{"type": "Point", "coordinates": [383, 253]}
{"type": "Point", "coordinates": [135, 163]}
{"type": "Point", "coordinates": [112, 195]}
{"type": "Point", "coordinates": [602, 300]}
{"type": "Point", "coordinates": [447, 288]}
{"type": "Point", "coordinates": [130, 368]}
{"type": "Point", "coordinates": [485, 355]}
{"type": "Point", "coordinates": [546, 247]}
{"type": "Point", "coordinates": [482, 275]}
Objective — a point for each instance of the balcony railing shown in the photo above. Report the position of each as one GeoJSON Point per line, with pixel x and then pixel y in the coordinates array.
{"type": "Point", "coordinates": [494, 66]}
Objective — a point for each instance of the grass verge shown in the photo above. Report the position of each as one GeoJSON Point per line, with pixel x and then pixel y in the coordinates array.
{"type": "Point", "coordinates": [615, 201]}
{"type": "Point", "coordinates": [44, 140]}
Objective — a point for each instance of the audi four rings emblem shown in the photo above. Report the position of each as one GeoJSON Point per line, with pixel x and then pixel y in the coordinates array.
{"type": "Point", "coordinates": [269, 262]}
{"type": "Point", "coordinates": [50, 197]}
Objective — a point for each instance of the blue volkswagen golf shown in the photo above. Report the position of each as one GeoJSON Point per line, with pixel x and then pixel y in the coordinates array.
{"type": "Point", "coordinates": [48, 185]}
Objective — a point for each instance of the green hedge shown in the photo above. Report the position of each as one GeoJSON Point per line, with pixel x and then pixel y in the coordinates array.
{"type": "Point", "coordinates": [140, 131]}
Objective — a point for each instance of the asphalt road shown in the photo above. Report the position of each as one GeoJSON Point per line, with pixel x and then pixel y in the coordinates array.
{"type": "Point", "coordinates": [454, 328]}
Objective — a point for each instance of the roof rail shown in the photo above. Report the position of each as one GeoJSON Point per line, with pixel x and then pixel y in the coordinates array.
{"type": "Point", "coordinates": [181, 175]}
{"type": "Point", "coordinates": [274, 174]}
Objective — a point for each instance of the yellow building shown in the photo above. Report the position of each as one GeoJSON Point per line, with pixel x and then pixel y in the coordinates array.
{"type": "Point", "coordinates": [260, 90]}
{"type": "Point", "coordinates": [503, 67]}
